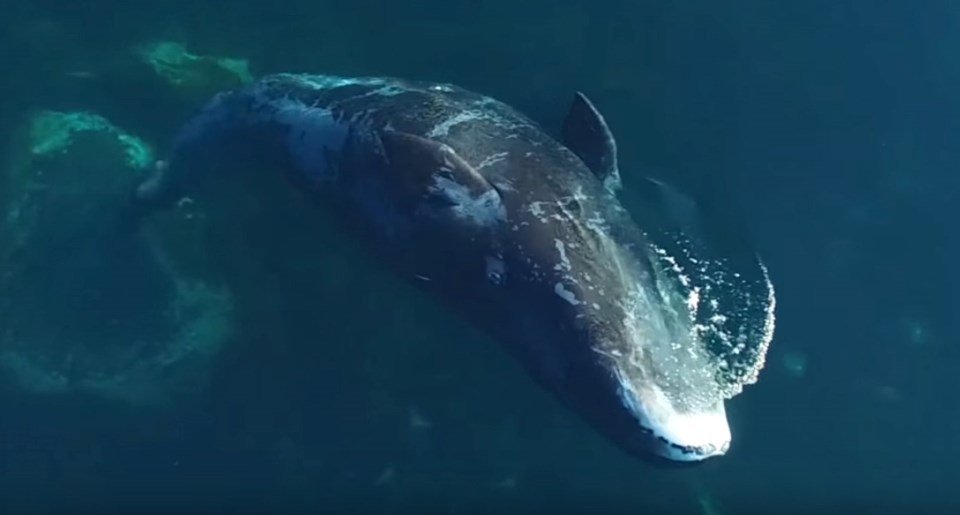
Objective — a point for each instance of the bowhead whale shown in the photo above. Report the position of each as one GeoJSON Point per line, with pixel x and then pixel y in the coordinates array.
{"type": "Point", "coordinates": [634, 322]}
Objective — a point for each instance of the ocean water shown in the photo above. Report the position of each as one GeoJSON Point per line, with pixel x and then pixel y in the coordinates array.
{"type": "Point", "coordinates": [827, 128]}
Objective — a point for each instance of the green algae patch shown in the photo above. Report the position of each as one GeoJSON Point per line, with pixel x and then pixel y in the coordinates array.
{"type": "Point", "coordinates": [87, 306]}
{"type": "Point", "coordinates": [53, 132]}
{"type": "Point", "coordinates": [172, 62]}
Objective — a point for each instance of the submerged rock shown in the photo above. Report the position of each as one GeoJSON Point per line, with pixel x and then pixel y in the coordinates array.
{"type": "Point", "coordinates": [85, 305]}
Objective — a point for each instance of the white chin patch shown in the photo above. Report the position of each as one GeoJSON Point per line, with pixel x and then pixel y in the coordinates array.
{"type": "Point", "coordinates": [681, 435]}
{"type": "Point", "coordinates": [693, 436]}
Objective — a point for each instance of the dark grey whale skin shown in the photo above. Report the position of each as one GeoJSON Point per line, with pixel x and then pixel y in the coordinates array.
{"type": "Point", "coordinates": [471, 201]}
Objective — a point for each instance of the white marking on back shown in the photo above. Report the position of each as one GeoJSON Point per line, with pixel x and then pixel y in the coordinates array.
{"type": "Point", "coordinates": [335, 81]}
{"type": "Point", "coordinates": [472, 115]}
{"type": "Point", "coordinates": [443, 128]}
{"type": "Point", "coordinates": [489, 160]}
{"type": "Point", "coordinates": [536, 209]}
{"type": "Point", "coordinates": [388, 90]}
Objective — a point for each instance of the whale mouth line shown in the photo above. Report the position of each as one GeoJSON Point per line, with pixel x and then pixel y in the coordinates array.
{"type": "Point", "coordinates": [687, 452]}
{"type": "Point", "coordinates": [696, 453]}
{"type": "Point", "coordinates": [680, 435]}
{"type": "Point", "coordinates": [692, 436]}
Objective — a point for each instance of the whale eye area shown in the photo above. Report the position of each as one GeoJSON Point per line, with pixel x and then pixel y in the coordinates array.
{"type": "Point", "coordinates": [436, 197]}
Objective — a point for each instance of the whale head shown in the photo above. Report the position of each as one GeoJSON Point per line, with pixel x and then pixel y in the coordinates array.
{"type": "Point", "coordinates": [633, 318]}
{"type": "Point", "coordinates": [648, 320]}
{"type": "Point", "coordinates": [647, 341]}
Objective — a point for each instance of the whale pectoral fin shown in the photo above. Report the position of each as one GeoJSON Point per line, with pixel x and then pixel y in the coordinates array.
{"type": "Point", "coordinates": [431, 174]}
{"type": "Point", "coordinates": [586, 133]}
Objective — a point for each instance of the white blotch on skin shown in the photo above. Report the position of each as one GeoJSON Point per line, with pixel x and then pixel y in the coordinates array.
{"type": "Point", "coordinates": [536, 209]}
{"type": "Point", "coordinates": [489, 160]}
{"type": "Point", "coordinates": [321, 82]}
{"type": "Point", "coordinates": [485, 209]}
{"type": "Point", "coordinates": [564, 264]}
{"type": "Point", "coordinates": [565, 294]}
{"type": "Point", "coordinates": [443, 128]}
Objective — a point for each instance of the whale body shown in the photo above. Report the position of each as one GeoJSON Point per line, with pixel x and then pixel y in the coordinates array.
{"type": "Point", "coordinates": [636, 323]}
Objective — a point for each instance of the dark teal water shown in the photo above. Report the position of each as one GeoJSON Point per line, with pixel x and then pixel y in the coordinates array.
{"type": "Point", "coordinates": [829, 127]}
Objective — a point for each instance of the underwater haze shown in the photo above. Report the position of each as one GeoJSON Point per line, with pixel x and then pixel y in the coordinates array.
{"type": "Point", "coordinates": [261, 367]}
